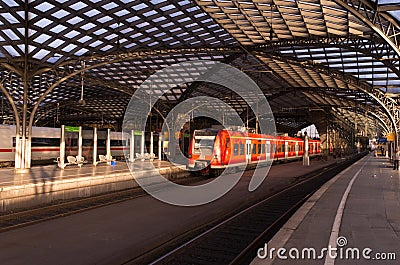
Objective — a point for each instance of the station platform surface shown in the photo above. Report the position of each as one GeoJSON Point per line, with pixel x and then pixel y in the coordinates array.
{"type": "Point", "coordinates": [358, 211]}
{"type": "Point", "coordinates": [41, 174]}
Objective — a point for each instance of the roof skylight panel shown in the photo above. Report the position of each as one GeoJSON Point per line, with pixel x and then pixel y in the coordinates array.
{"type": "Point", "coordinates": [78, 6]}
{"type": "Point", "coordinates": [109, 6]}
{"type": "Point", "coordinates": [60, 14]}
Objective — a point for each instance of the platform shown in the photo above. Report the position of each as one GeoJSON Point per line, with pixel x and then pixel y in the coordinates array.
{"type": "Point", "coordinates": [45, 184]}
{"type": "Point", "coordinates": [358, 211]}
{"type": "Point", "coordinates": [41, 174]}
{"type": "Point", "coordinates": [119, 232]}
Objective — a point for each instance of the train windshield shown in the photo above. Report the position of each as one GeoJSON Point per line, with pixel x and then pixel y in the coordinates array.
{"type": "Point", "coordinates": [204, 141]}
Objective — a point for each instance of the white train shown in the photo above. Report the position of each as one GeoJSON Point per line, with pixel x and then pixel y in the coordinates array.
{"type": "Point", "coordinates": [46, 144]}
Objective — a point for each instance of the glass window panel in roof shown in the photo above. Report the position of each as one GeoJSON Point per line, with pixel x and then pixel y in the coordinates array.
{"type": "Point", "coordinates": [167, 25]}
{"type": "Point", "coordinates": [75, 20]}
{"type": "Point", "coordinates": [104, 19]}
{"type": "Point", "coordinates": [130, 45]}
{"type": "Point", "coordinates": [84, 39]}
{"type": "Point", "coordinates": [11, 50]}
{"type": "Point", "coordinates": [72, 34]}
{"type": "Point", "coordinates": [60, 14]}
{"type": "Point", "coordinates": [69, 47]}
{"type": "Point", "coordinates": [10, 18]}
{"type": "Point", "coordinates": [141, 25]}
{"type": "Point", "coordinates": [144, 40]}
{"type": "Point", "coordinates": [100, 31]}
{"type": "Point", "coordinates": [56, 43]}
{"type": "Point", "coordinates": [10, 3]}
{"type": "Point", "coordinates": [42, 38]}
{"type": "Point", "coordinates": [168, 7]}
{"type": "Point", "coordinates": [41, 54]}
{"type": "Point", "coordinates": [176, 14]}
{"type": "Point", "coordinates": [10, 34]}
{"type": "Point", "coordinates": [88, 26]}
{"type": "Point", "coordinates": [158, 19]}
{"type": "Point", "coordinates": [43, 23]}
{"type": "Point", "coordinates": [78, 6]}
{"type": "Point", "coordinates": [132, 19]}
{"type": "Point", "coordinates": [151, 30]}
{"type": "Point", "coordinates": [122, 13]}
{"type": "Point", "coordinates": [112, 36]}
{"type": "Point", "coordinates": [106, 48]}
{"type": "Point", "coordinates": [136, 35]}
{"type": "Point", "coordinates": [109, 6]}
{"type": "Point", "coordinates": [81, 51]}
{"type": "Point", "coordinates": [160, 34]}
{"type": "Point", "coordinates": [149, 13]}
{"type": "Point", "coordinates": [153, 43]}
{"type": "Point", "coordinates": [140, 6]}
{"type": "Point", "coordinates": [92, 13]}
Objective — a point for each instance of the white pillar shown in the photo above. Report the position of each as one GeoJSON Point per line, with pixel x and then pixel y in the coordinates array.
{"type": "Point", "coordinates": [18, 157]}
{"type": "Point", "coordinates": [160, 146]}
{"type": "Point", "coordinates": [151, 143]}
{"type": "Point", "coordinates": [108, 145]}
{"type": "Point", "coordinates": [28, 152]}
{"type": "Point", "coordinates": [306, 158]}
{"type": "Point", "coordinates": [132, 147]}
{"type": "Point", "coordinates": [80, 144]}
{"type": "Point", "coordinates": [61, 161]}
{"type": "Point", "coordinates": [142, 142]}
{"type": "Point", "coordinates": [95, 146]}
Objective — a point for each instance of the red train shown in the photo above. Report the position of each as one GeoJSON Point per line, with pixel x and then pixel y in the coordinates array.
{"type": "Point", "coordinates": [212, 149]}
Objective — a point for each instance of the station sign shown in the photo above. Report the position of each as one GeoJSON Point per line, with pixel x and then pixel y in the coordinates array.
{"type": "Point", "coordinates": [71, 129]}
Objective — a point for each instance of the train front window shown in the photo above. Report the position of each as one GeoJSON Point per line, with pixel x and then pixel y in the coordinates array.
{"type": "Point", "coordinates": [204, 141]}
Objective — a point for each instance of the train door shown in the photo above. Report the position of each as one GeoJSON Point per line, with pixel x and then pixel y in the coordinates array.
{"type": "Point", "coordinates": [268, 150]}
{"type": "Point", "coordinates": [286, 149]}
{"type": "Point", "coordinates": [248, 151]}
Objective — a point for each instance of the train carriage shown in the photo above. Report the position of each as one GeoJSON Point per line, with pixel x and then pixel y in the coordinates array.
{"type": "Point", "coordinates": [45, 144]}
{"type": "Point", "coordinates": [215, 149]}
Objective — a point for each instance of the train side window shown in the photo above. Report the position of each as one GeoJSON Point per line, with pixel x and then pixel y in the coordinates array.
{"type": "Point", "coordinates": [235, 149]}
{"type": "Point", "coordinates": [259, 148]}
{"type": "Point", "coordinates": [254, 149]}
{"type": "Point", "coordinates": [263, 149]}
{"type": "Point", "coordinates": [242, 149]}
{"type": "Point", "coordinates": [36, 142]}
{"type": "Point", "coordinates": [117, 142]}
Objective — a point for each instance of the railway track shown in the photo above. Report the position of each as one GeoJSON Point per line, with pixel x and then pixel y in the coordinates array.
{"type": "Point", "coordinates": [18, 219]}
{"type": "Point", "coordinates": [235, 240]}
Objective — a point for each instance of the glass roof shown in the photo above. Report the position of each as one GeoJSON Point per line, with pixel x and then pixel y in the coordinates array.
{"type": "Point", "coordinates": [281, 44]}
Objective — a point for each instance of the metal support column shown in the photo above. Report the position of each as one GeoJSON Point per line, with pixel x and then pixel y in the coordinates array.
{"type": "Point", "coordinates": [80, 144]}
{"type": "Point", "coordinates": [160, 146]}
{"type": "Point", "coordinates": [108, 145]}
{"type": "Point", "coordinates": [151, 143]}
{"type": "Point", "coordinates": [61, 159]}
{"type": "Point", "coordinates": [306, 158]}
{"type": "Point", "coordinates": [95, 146]}
{"type": "Point", "coordinates": [142, 143]}
{"type": "Point", "coordinates": [132, 147]}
